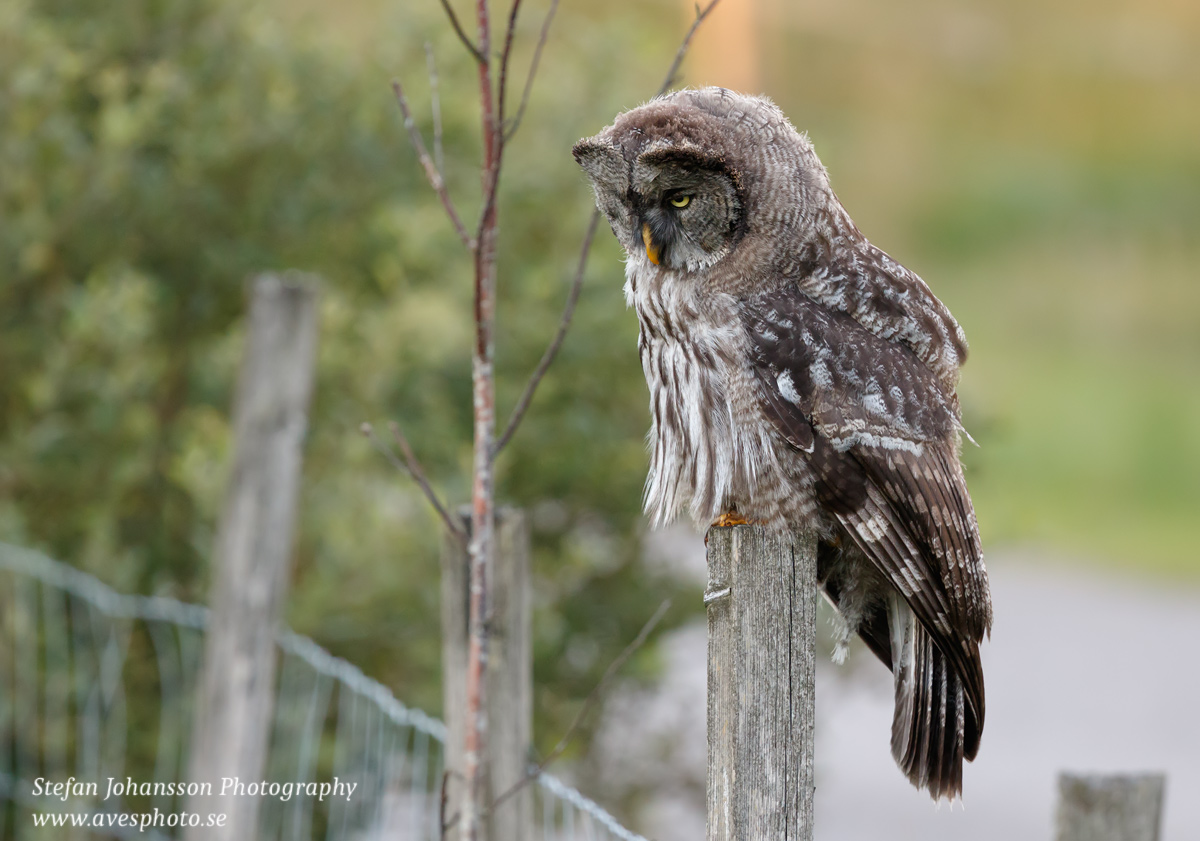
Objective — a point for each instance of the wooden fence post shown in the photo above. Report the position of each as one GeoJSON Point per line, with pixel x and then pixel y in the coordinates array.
{"type": "Point", "coordinates": [251, 563]}
{"type": "Point", "coordinates": [761, 601]}
{"type": "Point", "coordinates": [509, 674]}
{"type": "Point", "coordinates": [1109, 808]}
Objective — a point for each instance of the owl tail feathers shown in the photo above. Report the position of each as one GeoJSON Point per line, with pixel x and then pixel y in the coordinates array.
{"type": "Point", "coordinates": [933, 727]}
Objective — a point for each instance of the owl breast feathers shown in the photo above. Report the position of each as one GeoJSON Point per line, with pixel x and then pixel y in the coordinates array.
{"type": "Point", "coordinates": [800, 376]}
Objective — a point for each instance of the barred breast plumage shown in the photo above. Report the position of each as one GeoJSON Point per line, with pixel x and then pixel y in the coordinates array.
{"type": "Point", "coordinates": [704, 457]}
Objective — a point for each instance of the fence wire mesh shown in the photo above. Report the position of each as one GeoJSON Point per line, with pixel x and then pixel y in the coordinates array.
{"type": "Point", "coordinates": [98, 686]}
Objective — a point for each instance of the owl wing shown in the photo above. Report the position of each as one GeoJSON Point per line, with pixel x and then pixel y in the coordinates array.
{"type": "Point", "coordinates": [879, 433]}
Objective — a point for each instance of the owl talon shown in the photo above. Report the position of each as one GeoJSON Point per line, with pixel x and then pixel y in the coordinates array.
{"type": "Point", "coordinates": [731, 518]}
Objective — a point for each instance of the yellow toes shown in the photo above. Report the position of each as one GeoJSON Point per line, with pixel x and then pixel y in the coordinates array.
{"type": "Point", "coordinates": [731, 518]}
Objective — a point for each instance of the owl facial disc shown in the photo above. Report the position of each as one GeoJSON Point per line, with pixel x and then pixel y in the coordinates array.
{"type": "Point", "coordinates": [665, 194]}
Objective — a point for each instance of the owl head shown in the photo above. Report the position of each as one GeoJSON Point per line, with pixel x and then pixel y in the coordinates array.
{"type": "Point", "coordinates": [690, 178]}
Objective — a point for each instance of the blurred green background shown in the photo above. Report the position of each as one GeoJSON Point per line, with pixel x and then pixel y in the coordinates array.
{"type": "Point", "coordinates": [1037, 163]}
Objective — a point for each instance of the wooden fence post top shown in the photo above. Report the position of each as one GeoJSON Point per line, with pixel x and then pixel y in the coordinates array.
{"type": "Point", "coordinates": [1121, 807]}
{"type": "Point", "coordinates": [297, 285]}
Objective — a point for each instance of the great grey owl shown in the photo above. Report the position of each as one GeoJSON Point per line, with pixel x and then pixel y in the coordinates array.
{"type": "Point", "coordinates": [801, 377]}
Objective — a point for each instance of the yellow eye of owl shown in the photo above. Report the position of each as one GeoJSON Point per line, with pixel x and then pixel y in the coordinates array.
{"type": "Point", "coordinates": [681, 201]}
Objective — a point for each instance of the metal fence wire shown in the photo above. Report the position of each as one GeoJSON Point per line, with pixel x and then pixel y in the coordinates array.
{"type": "Point", "coordinates": [98, 686]}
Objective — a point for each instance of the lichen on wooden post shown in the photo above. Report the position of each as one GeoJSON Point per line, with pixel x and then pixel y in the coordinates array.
{"type": "Point", "coordinates": [1124, 807]}
{"type": "Point", "coordinates": [761, 602]}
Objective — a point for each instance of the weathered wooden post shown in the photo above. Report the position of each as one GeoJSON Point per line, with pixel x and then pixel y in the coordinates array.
{"type": "Point", "coordinates": [1109, 808]}
{"type": "Point", "coordinates": [252, 556]}
{"type": "Point", "coordinates": [509, 674]}
{"type": "Point", "coordinates": [761, 601]}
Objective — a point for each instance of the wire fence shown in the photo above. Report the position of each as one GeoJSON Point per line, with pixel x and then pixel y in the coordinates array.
{"type": "Point", "coordinates": [96, 693]}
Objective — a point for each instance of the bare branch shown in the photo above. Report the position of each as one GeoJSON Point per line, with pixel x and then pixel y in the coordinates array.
{"type": "Point", "coordinates": [701, 14]}
{"type": "Point", "coordinates": [438, 157]}
{"type": "Point", "coordinates": [505, 55]}
{"type": "Point", "coordinates": [442, 803]}
{"type": "Point", "coordinates": [412, 467]}
{"type": "Point", "coordinates": [481, 549]}
{"type": "Point", "coordinates": [589, 702]}
{"type": "Point", "coordinates": [462, 36]}
{"type": "Point", "coordinates": [496, 130]}
{"type": "Point", "coordinates": [431, 170]}
{"type": "Point", "coordinates": [573, 296]}
{"type": "Point", "coordinates": [493, 152]}
{"type": "Point", "coordinates": [511, 129]}
{"type": "Point", "coordinates": [564, 324]}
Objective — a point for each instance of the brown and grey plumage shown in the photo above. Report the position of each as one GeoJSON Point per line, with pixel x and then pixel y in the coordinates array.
{"type": "Point", "coordinates": [800, 376]}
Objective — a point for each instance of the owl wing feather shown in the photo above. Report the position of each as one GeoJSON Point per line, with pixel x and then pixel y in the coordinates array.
{"type": "Point", "coordinates": [881, 439]}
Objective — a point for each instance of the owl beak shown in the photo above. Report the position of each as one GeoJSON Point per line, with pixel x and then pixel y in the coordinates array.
{"type": "Point", "coordinates": [651, 248]}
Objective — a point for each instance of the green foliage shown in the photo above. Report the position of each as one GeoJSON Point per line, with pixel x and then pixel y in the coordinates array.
{"type": "Point", "coordinates": [155, 156]}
